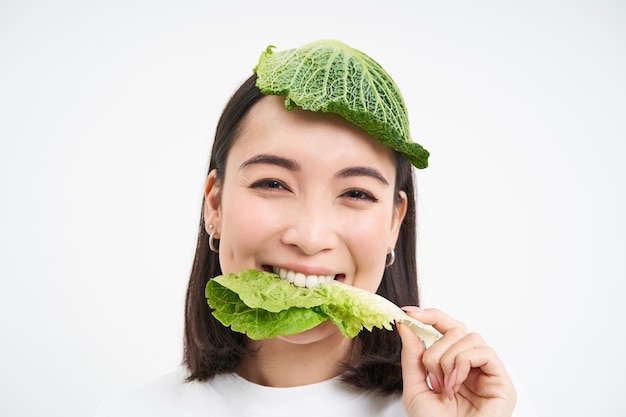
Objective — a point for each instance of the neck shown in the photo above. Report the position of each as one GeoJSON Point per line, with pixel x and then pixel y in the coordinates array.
{"type": "Point", "coordinates": [286, 362]}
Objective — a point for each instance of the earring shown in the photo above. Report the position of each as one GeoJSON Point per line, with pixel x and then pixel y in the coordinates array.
{"type": "Point", "coordinates": [391, 258]}
{"type": "Point", "coordinates": [212, 240]}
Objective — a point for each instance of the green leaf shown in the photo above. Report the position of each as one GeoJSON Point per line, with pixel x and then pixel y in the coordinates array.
{"type": "Point", "coordinates": [258, 323]}
{"type": "Point", "coordinates": [262, 290]}
{"type": "Point", "coordinates": [262, 305]}
{"type": "Point", "coordinates": [332, 77]}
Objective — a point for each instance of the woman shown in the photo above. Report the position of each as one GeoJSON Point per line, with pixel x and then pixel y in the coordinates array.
{"type": "Point", "coordinates": [319, 193]}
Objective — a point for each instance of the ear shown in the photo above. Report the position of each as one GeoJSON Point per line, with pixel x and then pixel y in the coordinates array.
{"type": "Point", "coordinates": [212, 203]}
{"type": "Point", "coordinates": [399, 211]}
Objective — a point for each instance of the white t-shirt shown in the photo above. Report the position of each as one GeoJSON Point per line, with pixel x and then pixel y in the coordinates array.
{"type": "Point", "coordinates": [232, 396]}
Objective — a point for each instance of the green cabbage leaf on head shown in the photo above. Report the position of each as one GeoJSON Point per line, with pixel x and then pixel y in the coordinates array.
{"type": "Point", "coordinates": [330, 76]}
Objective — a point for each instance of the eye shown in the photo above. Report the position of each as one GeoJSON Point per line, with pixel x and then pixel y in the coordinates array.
{"type": "Point", "coordinates": [359, 195]}
{"type": "Point", "coordinates": [269, 183]}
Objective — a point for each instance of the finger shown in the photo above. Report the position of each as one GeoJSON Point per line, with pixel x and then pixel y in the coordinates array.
{"type": "Point", "coordinates": [456, 361]}
{"type": "Point", "coordinates": [413, 371]}
{"type": "Point", "coordinates": [479, 375]}
{"type": "Point", "coordinates": [435, 318]}
{"type": "Point", "coordinates": [481, 357]}
{"type": "Point", "coordinates": [452, 331]}
{"type": "Point", "coordinates": [480, 372]}
{"type": "Point", "coordinates": [449, 358]}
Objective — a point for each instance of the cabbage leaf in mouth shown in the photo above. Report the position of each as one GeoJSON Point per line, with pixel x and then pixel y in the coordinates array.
{"type": "Point", "coordinates": [262, 305]}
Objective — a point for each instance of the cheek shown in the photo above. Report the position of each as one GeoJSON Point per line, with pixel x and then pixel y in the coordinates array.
{"type": "Point", "coordinates": [368, 245]}
{"type": "Point", "coordinates": [244, 232]}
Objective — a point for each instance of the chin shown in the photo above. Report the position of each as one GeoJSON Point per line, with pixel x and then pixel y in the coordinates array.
{"type": "Point", "coordinates": [318, 333]}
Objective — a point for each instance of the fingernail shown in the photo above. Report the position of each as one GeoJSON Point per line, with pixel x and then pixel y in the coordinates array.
{"type": "Point", "coordinates": [450, 383]}
{"type": "Point", "coordinates": [415, 309]}
{"type": "Point", "coordinates": [434, 383]}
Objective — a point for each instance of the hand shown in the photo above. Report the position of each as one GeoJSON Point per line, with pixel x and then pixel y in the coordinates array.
{"type": "Point", "coordinates": [466, 375]}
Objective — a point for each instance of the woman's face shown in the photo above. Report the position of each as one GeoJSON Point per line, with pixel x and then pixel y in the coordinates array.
{"type": "Point", "coordinates": [305, 192]}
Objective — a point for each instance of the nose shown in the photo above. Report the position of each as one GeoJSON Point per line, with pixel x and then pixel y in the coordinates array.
{"type": "Point", "coordinates": [312, 229]}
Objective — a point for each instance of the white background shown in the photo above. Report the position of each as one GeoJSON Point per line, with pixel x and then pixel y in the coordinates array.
{"type": "Point", "coordinates": [107, 111]}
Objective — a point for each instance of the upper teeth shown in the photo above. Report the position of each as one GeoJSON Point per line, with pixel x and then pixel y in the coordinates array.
{"type": "Point", "coordinates": [300, 280]}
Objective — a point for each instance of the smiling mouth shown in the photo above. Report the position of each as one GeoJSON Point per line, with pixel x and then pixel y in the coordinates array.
{"type": "Point", "coordinates": [300, 280]}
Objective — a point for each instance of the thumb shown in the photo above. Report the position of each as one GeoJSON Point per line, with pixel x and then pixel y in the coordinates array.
{"type": "Point", "coordinates": [413, 370]}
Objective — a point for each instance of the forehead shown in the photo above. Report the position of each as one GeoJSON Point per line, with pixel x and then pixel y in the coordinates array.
{"type": "Point", "coordinates": [269, 128]}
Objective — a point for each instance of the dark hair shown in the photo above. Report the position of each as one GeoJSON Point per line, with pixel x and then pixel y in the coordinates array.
{"type": "Point", "coordinates": [211, 349]}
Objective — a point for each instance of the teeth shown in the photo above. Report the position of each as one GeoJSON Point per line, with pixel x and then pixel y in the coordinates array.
{"type": "Point", "coordinates": [300, 280]}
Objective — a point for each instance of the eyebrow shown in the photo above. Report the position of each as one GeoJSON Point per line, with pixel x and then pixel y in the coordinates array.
{"type": "Point", "coordinates": [286, 163]}
{"type": "Point", "coordinates": [290, 164]}
{"type": "Point", "coordinates": [360, 171]}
